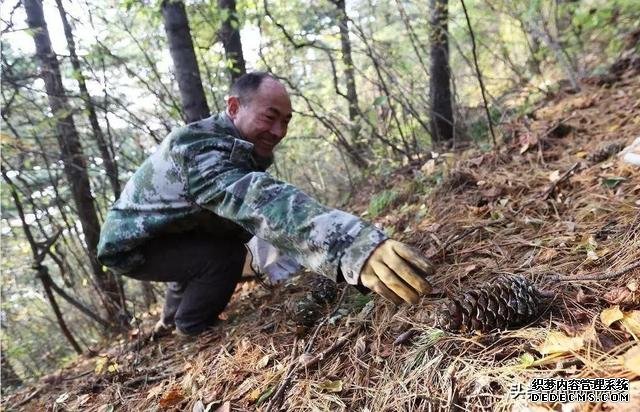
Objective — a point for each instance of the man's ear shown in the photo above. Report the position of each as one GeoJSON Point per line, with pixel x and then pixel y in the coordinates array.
{"type": "Point", "coordinates": [233, 105]}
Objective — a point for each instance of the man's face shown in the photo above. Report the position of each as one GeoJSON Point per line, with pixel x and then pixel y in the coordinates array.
{"type": "Point", "coordinates": [264, 119]}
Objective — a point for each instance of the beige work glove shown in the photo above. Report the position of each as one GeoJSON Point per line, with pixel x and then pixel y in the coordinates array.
{"type": "Point", "coordinates": [396, 271]}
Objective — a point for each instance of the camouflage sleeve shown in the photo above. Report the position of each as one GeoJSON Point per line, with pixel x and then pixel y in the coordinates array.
{"type": "Point", "coordinates": [325, 240]}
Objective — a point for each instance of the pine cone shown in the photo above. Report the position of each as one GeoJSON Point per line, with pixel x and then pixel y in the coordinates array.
{"type": "Point", "coordinates": [305, 312]}
{"type": "Point", "coordinates": [323, 290]}
{"type": "Point", "coordinates": [605, 152]}
{"type": "Point", "coordinates": [510, 301]}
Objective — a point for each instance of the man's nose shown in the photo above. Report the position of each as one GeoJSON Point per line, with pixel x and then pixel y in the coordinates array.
{"type": "Point", "coordinates": [278, 130]}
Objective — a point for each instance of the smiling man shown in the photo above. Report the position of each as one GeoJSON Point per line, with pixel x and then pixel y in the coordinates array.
{"type": "Point", "coordinates": [186, 213]}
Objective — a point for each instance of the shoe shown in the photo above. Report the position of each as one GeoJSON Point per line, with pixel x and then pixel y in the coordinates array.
{"type": "Point", "coordinates": [161, 329]}
{"type": "Point", "coordinates": [183, 337]}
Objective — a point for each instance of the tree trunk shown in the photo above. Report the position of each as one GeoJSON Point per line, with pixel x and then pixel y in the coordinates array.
{"type": "Point", "coordinates": [107, 156]}
{"type": "Point", "coordinates": [72, 156]}
{"type": "Point", "coordinates": [230, 35]}
{"type": "Point", "coordinates": [352, 94]}
{"type": "Point", "coordinates": [9, 376]}
{"type": "Point", "coordinates": [440, 80]}
{"type": "Point", "coordinates": [176, 25]}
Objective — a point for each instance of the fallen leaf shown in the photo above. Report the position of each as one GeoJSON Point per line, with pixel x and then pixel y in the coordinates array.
{"type": "Point", "coordinates": [633, 285]}
{"type": "Point", "coordinates": [305, 358]}
{"type": "Point", "coordinates": [263, 362]}
{"type": "Point", "coordinates": [631, 321]}
{"type": "Point", "coordinates": [558, 342]}
{"type": "Point", "coordinates": [265, 395]}
{"type": "Point", "coordinates": [554, 176]}
{"type": "Point", "coordinates": [429, 167]}
{"type": "Point", "coordinates": [610, 315]}
{"type": "Point", "coordinates": [101, 362]}
{"type": "Point", "coordinates": [62, 398]}
{"type": "Point", "coordinates": [582, 154]}
{"type": "Point", "coordinates": [612, 182]}
{"type": "Point", "coordinates": [526, 141]}
{"type": "Point", "coordinates": [254, 395]}
{"type": "Point", "coordinates": [470, 269]}
{"type": "Point", "coordinates": [171, 398]}
{"type": "Point", "coordinates": [225, 407]}
{"type": "Point", "coordinates": [631, 359]}
{"type": "Point", "coordinates": [526, 360]}
{"type": "Point", "coordinates": [546, 255]}
{"type": "Point", "coordinates": [243, 388]}
{"type": "Point", "coordinates": [622, 296]}
{"type": "Point", "coordinates": [82, 399]}
{"type": "Point", "coordinates": [331, 386]}
{"type": "Point", "coordinates": [198, 406]}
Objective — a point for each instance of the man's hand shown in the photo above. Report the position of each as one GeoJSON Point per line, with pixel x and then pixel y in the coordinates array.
{"type": "Point", "coordinates": [396, 271]}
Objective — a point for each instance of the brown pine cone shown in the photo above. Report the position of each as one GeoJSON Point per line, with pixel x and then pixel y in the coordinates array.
{"type": "Point", "coordinates": [508, 302]}
{"type": "Point", "coordinates": [605, 152]}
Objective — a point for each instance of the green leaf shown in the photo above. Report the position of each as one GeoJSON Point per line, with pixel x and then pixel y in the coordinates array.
{"type": "Point", "coordinates": [380, 100]}
{"type": "Point", "coordinates": [612, 182]}
{"type": "Point", "coordinates": [265, 395]}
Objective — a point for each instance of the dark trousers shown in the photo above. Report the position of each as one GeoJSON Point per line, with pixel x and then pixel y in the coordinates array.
{"type": "Point", "coordinates": [202, 275]}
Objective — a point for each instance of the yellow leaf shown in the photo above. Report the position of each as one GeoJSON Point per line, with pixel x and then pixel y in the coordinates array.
{"type": "Point", "coordinates": [631, 360]}
{"type": "Point", "coordinates": [610, 315]}
{"type": "Point", "coordinates": [331, 386]}
{"type": "Point", "coordinates": [582, 154]}
{"type": "Point", "coordinates": [113, 368]}
{"type": "Point", "coordinates": [100, 364]}
{"type": "Point", "coordinates": [631, 322]}
{"type": "Point", "coordinates": [254, 395]}
{"type": "Point", "coordinates": [558, 342]}
{"type": "Point", "coordinates": [526, 360]}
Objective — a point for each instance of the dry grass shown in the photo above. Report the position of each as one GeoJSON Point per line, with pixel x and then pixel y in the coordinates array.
{"type": "Point", "coordinates": [583, 227]}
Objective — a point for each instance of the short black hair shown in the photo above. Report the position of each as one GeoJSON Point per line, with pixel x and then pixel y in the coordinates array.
{"type": "Point", "coordinates": [247, 84]}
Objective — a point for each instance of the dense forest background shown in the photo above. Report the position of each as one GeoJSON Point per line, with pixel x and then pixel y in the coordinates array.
{"type": "Point", "coordinates": [364, 77]}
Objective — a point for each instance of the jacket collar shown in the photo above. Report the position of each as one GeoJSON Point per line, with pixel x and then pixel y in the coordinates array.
{"type": "Point", "coordinates": [263, 163]}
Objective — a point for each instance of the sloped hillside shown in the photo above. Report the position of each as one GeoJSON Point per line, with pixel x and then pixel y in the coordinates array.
{"type": "Point", "coordinates": [553, 204]}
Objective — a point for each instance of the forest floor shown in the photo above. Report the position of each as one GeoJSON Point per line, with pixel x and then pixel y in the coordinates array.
{"type": "Point", "coordinates": [553, 204]}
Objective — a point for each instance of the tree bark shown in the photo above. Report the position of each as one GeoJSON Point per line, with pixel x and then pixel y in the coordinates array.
{"type": "Point", "coordinates": [107, 155]}
{"type": "Point", "coordinates": [440, 80]}
{"type": "Point", "coordinates": [352, 94]}
{"type": "Point", "coordinates": [176, 25]}
{"type": "Point", "coordinates": [72, 156]}
{"type": "Point", "coordinates": [230, 36]}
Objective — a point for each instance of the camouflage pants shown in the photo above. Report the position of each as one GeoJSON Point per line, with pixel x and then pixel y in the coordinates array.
{"type": "Point", "coordinates": [202, 273]}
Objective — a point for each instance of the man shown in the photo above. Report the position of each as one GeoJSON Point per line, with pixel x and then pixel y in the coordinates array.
{"type": "Point", "coordinates": [187, 211]}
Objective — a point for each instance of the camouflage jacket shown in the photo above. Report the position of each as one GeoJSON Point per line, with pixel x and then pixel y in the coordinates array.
{"type": "Point", "coordinates": [204, 177]}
